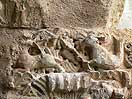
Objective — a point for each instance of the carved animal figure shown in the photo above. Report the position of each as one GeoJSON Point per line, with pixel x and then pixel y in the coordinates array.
{"type": "Point", "coordinates": [68, 52]}
{"type": "Point", "coordinates": [102, 58]}
{"type": "Point", "coordinates": [70, 84]}
{"type": "Point", "coordinates": [25, 61]}
{"type": "Point", "coordinates": [48, 61]}
{"type": "Point", "coordinates": [73, 86]}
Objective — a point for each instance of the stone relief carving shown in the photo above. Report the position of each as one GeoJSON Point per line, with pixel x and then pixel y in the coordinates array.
{"type": "Point", "coordinates": [45, 55]}
{"type": "Point", "coordinates": [128, 55]}
{"type": "Point", "coordinates": [74, 86]}
{"type": "Point", "coordinates": [48, 60]}
{"type": "Point", "coordinates": [55, 49]}
{"type": "Point", "coordinates": [2, 20]}
{"type": "Point", "coordinates": [20, 13]}
{"type": "Point", "coordinates": [102, 58]}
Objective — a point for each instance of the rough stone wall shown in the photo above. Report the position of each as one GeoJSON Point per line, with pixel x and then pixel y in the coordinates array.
{"type": "Point", "coordinates": [63, 30]}
{"type": "Point", "coordinates": [115, 14]}
{"type": "Point", "coordinates": [38, 14]}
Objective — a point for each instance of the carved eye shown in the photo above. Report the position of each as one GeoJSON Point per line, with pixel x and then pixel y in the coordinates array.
{"type": "Point", "coordinates": [128, 47]}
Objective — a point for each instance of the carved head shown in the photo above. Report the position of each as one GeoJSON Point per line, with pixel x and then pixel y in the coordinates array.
{"type": "Point", "coordinates": [93, 38]}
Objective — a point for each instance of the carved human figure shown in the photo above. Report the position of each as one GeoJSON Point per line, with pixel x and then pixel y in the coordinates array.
{"type": "Point", "coordinates": [2, 20]}
{"type": "Point", "coordinates": [102, 58]}
{"type": "Point", "coordinates": [19, 15]}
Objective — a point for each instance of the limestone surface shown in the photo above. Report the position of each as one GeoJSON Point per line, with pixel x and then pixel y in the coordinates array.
{"type": "Point", "coordinates": [63, 49]}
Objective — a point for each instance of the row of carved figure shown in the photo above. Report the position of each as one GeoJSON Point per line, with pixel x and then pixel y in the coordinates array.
{"type": "Point", "coordinates": [45, 52]}
{"type": "Point", "coordinates": [69, 86]}
{"type": "Point", "coordinates": [65, 54]}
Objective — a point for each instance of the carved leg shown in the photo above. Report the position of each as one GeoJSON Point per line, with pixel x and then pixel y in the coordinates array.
{"type": "Point", "coordinates": [60, 68]}
{"type": "Point", "coordinates": [85, 97]}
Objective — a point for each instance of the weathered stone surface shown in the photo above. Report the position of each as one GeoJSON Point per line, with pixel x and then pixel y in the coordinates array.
{"type": "Point", "coordinates": [34, 42]}
{"type": "Point", "coordinates": [6, 77]}
{"type": "Point", "coordinates": [128, 55]}
{"type": "Point", "coordinates": [25, 48]}
{"type": "Point", "coordinates": [41, 13]}
{"type": "Point", "coordinates": [106, 89]}
{"type": "Point", "coordinates": [102, 58]}
{"type": "Point", "coordinates": [121, 76]}
{"type": "Point", "coordinates": [25, 51]}
{"type": "Point", "coordinates": [13, 96]}
{"type": "Point", "coordinates": [77, 85]}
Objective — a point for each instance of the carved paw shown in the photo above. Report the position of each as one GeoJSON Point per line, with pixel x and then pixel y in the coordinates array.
{"type": "Point", "coordinates": [62, 70]}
